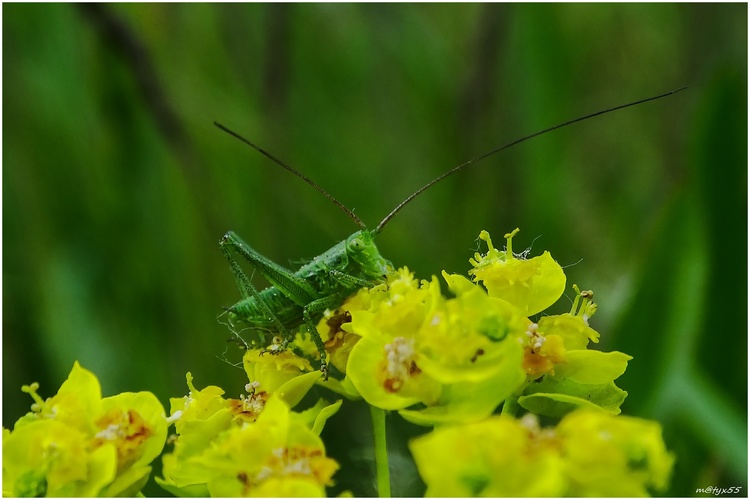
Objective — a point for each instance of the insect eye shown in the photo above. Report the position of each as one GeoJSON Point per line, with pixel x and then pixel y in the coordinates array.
{"type": "Point", "coordinates": [356, 244]}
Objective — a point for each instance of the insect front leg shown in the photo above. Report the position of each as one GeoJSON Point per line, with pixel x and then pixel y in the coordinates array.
{"type": "Point", "coordinates": [313, 308]}
{"type": "Point", "coordinates": [348, 281]}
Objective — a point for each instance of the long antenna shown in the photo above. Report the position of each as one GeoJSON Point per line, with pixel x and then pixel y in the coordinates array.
{"type": "Point", "coordinates": [295, 172]}
{"type": "Point", "coordinates": [497, 150]}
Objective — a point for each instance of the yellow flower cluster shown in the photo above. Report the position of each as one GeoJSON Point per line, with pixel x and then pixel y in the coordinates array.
{"type": "Point", "coordinates": [451, 362]}
{"type": "Point", "coordinates": [403, 346]}
{"type": "Point", "coordinates": [455, 359]}
{"type": "Point", "coordinates": [254, 445]}
{"type": "Point", "coordinates": [80, 444]}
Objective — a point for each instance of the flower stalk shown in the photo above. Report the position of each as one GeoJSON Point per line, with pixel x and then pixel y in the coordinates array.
{"type": "Point", "coordinates": [383, 474]}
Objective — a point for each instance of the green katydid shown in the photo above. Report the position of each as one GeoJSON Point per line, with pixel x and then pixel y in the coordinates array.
{"type": "Point", "coordinates": [297, 298]}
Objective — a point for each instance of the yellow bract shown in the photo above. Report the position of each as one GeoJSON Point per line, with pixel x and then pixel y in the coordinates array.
{"type": "Point", "coordinates": [531, 285]}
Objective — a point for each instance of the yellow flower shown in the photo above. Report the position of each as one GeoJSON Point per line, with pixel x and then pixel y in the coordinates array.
{"type": "Point", "coordinates": [589, 453]}
{"type": "Point", "coordinates": [285, 374]}
{"type": "Point", "coordinates": [608, 456]}
{"type": "Point", "coordinates": [497, 457]}
{"type": "Point", "coordinates": [212, 430]}
{"type": "Point", "coordinates": [383, 365]}
{"type": "Point", "coordinates": [532, 285]}
{"type": "Point", "coordinates": [564, 374]}
{"type": "Point", "coordinates": [136, 425]}
{"type": "Point", "coordinates": [457, 357]}
{"type": "Point", "coordinates": [276, 455]}
{"type": "Point", "coordinates": [198, 405]}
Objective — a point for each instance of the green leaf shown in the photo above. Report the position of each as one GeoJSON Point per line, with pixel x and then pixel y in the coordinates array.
{"type": "Point", "coordinates": [555, 397]}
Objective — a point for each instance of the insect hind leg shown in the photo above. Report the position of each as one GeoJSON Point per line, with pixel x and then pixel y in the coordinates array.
{"type": "Point", "coordinates": [243, 283]}
{"type": "Point", "coordinates": [228, 243]}
{"type": "Point", "coordinates": [294, 288]}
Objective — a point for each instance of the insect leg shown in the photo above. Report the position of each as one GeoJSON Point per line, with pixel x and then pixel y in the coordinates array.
{"type": "Point", "coordinates": [308, 311]}
{"type": "Point", "coordinates": [247, 289]}
{"type": "Point", "coordinates": [296, 289]}
{"type": "Point", "coordinates": [348, 281]}
{"type": "Point", "coordinates": [243, 283]}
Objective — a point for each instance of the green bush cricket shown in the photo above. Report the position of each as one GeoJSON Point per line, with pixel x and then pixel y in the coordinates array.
{"type": "Point", "coordinates": [297, 298]}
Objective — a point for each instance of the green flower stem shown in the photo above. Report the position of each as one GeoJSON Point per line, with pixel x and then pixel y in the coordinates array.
{"type": "Point", "coordinates": [511, 406]}
{"type": "Point", "coordinates": [381, 452]}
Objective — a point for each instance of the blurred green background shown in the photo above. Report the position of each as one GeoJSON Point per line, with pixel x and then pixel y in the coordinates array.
{"type": "Point", "coordinates": [117, 186]}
